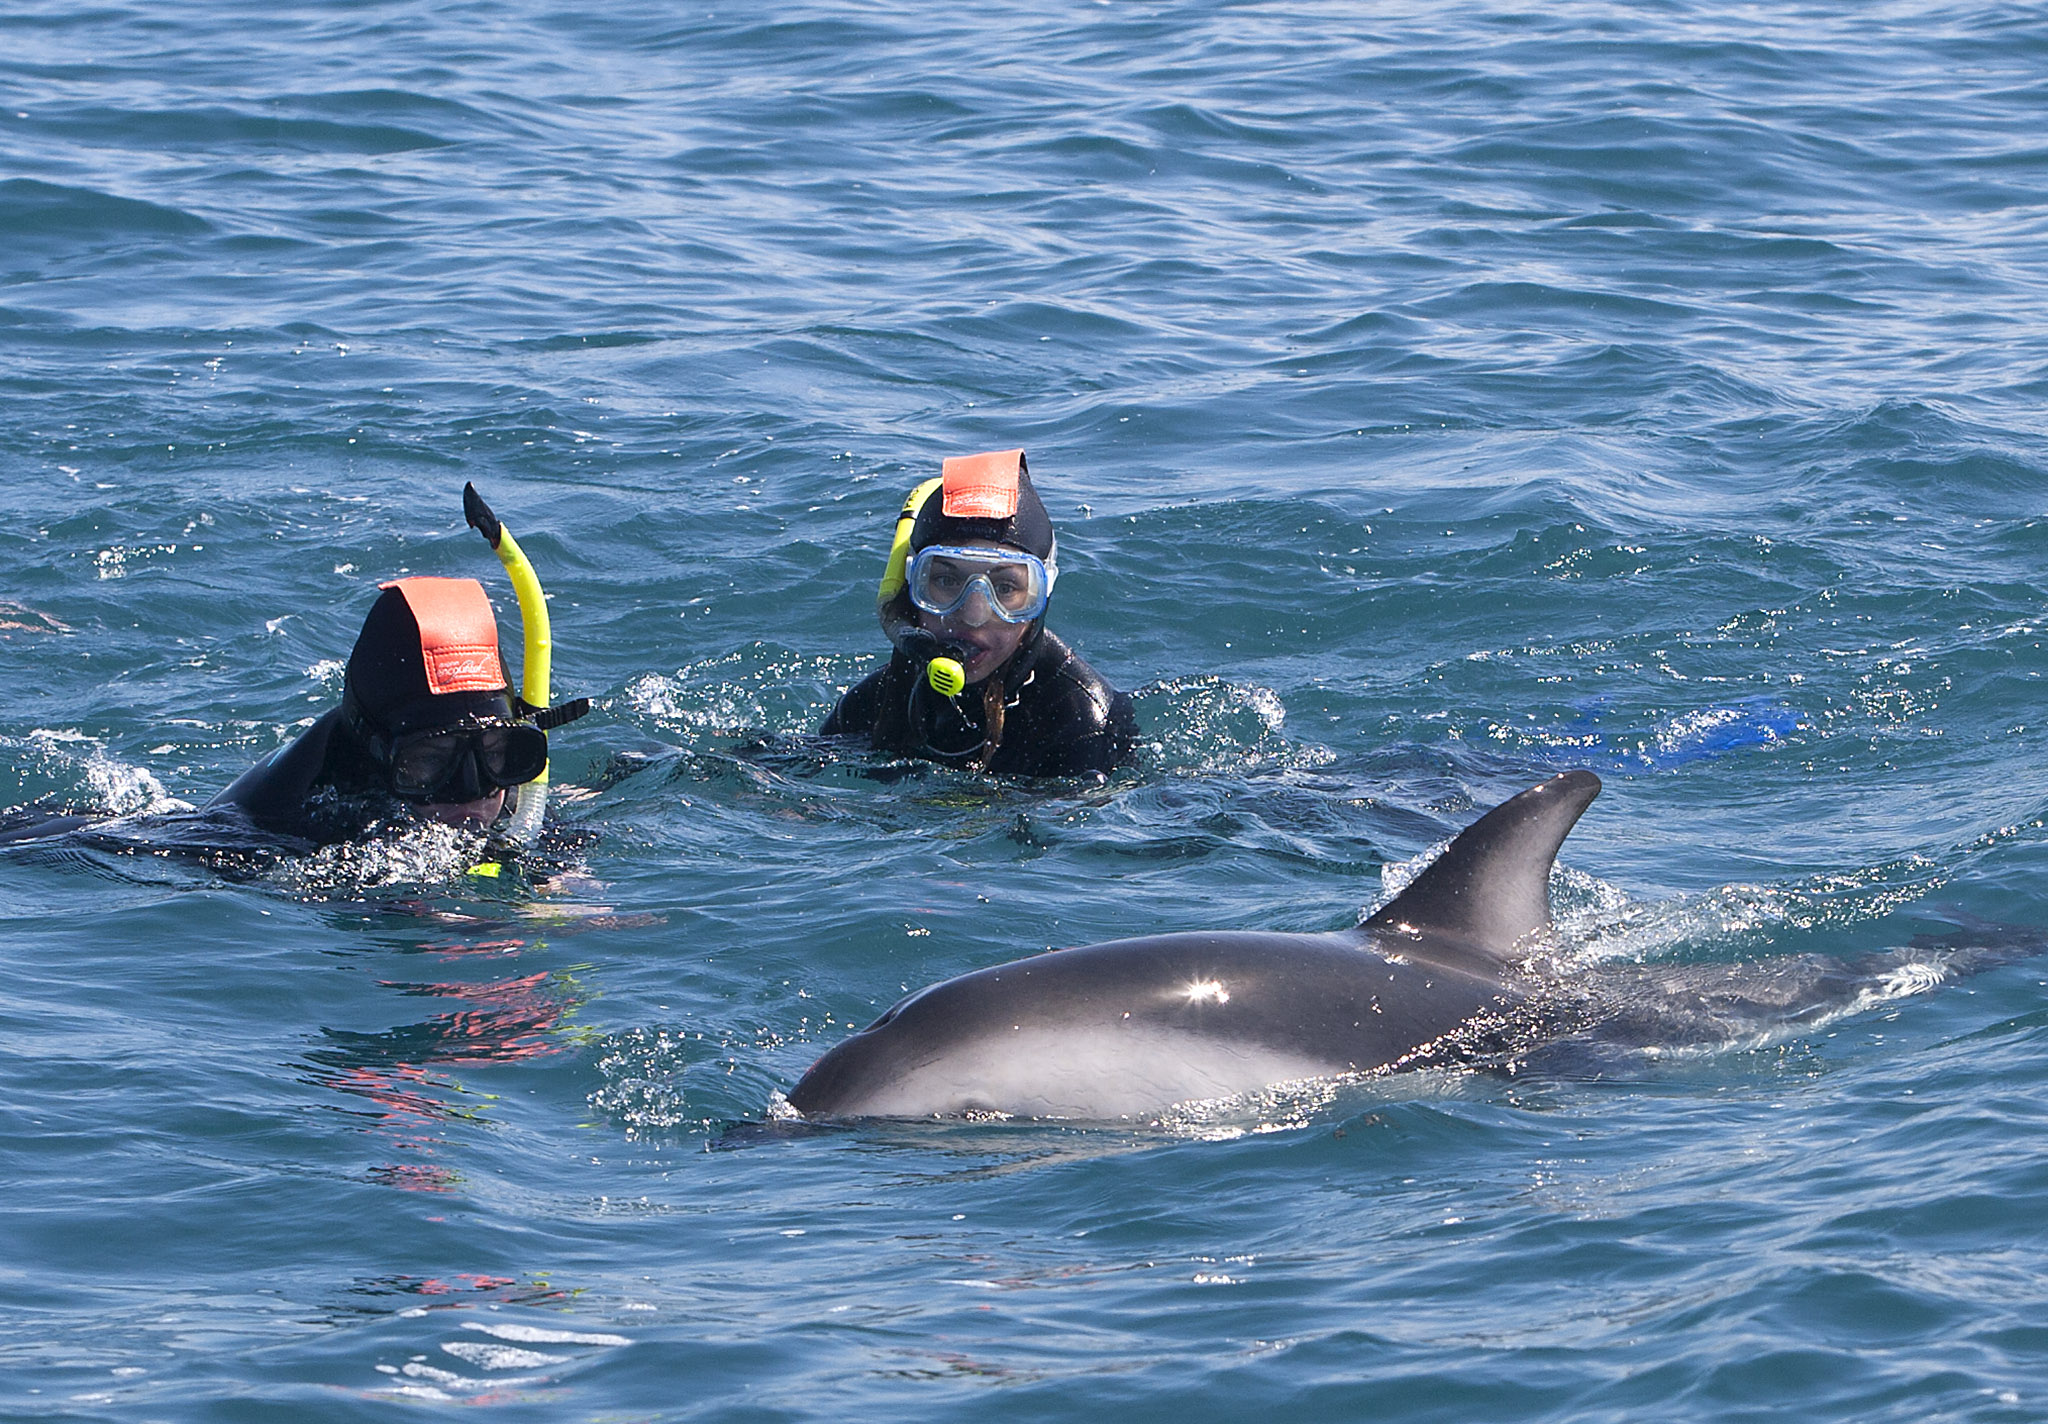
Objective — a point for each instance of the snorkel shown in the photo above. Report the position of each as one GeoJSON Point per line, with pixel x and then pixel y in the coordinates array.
{"type": "Point", "coordinates": [943, 670]}
{"type": "Point", "coordinates": [522, 826]}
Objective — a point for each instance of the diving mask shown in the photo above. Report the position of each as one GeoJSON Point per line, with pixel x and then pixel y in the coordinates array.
{"type": "Point", "coordinates": [468, 760]}
{"type": "Point", "coordinates": [1014, 585]}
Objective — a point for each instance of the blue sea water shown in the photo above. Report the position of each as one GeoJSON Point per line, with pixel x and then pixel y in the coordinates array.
{"type": "Point", "coordinates": [1430, 396]}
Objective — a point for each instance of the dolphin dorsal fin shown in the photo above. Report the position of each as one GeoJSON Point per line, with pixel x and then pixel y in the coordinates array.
{"type": "Point", "coordinates": [1491, 888]}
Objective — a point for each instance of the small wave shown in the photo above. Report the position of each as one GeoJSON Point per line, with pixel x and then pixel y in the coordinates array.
{"type": "Point", "coordinates": [753, 689]}
{"type": "Point", "coordinates": [1600, 924]}
{"type": "Point", "coordinates": [37, 214]}
{"type": "Point", "coordinates": [218, 129]}
{"type": "Point", "coordinates": [506, 1349]}
{"type": "Point", "coordinates": [1209, 725]}
{"type": "Point", "coordinates": [68, 767]}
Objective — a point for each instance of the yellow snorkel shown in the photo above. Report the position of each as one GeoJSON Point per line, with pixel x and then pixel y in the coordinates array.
{"type": "Point", "coordinates": [945, 674]}
{"type": "Point", "coordinates": [537, 661]}
{"type": "Point", "coordinates": [896, 573]}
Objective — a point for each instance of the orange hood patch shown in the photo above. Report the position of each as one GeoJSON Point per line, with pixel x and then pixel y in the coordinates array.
{"type": "Point", "coordinates": [458, 633]}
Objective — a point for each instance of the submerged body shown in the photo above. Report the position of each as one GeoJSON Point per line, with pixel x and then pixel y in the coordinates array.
{"type": "Point", "coordinates": [1061, 717]}
{"type": "Point", "coordinates": [1133, 1026]}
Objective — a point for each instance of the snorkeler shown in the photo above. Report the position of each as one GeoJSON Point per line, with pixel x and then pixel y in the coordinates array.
{"type": "Point", "coordinates": [976, 679]}
{"type": "Point", "coordinates": [428, 727]}
{"type": "Point", "coordinates": [428, 723]}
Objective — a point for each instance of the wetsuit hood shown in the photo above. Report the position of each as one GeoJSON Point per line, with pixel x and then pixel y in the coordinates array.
{"type": "Point", "coordinates": [986, 499]}
{"type": "Point", "coordinates": [427, 657]}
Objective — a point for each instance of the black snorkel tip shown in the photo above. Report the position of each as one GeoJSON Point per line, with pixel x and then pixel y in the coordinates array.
{"type": "Point", "coordinates": [479, 515]}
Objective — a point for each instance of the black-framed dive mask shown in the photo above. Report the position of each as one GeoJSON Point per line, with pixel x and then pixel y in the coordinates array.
{"type": "Point", "coordinates": [466, 761]}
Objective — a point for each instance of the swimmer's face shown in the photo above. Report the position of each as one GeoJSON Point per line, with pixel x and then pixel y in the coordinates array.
{"type": "Point", "coordinates": [994, 642]}
{"type": "Point", "coordinates": [470, 815]}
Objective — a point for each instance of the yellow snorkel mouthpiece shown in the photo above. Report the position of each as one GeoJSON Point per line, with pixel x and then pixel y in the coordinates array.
{"type": "Point", "coordinates": [946, 676]}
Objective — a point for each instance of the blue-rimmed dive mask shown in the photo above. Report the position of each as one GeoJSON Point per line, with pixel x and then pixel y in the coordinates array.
{"type": "Point", "coordinates": [1013, 585]}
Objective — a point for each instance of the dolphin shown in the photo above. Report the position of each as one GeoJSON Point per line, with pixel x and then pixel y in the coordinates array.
{"type": "Point", "coordinates": [1134, 1026]}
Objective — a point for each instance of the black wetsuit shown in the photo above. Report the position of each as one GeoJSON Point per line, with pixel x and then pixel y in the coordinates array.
{"type": "Point", "coordinates": [320, 789]}
{"type": "Point", "coordinates": [1060, 718]}
{"type": "Point", "coordinates": [324, 787]}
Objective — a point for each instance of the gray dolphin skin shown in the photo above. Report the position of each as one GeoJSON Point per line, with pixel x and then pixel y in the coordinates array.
{"type": "Point", "coordinates": [1134, 1026]}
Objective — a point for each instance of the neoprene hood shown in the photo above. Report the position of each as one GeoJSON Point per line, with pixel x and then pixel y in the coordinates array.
{"type": "Point", "coordinates": [978, 496]}
{"type": "Point", "coordinates": [427, 657]}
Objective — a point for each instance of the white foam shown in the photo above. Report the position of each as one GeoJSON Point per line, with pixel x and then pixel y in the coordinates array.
{"type": "Point", "coordinates": [486, 1356]}
{"type": "Point", "coordinates": [535, 1335]}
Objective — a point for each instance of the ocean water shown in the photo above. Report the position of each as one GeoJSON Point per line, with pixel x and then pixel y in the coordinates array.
{"type": "Point", "coordinates": [1429, 396]}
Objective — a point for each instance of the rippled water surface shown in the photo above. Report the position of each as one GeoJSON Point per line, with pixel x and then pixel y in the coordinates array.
{"type": "Point", "coordinates": [1430, 397]}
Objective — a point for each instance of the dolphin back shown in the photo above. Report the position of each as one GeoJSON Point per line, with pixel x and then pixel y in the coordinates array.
{"type": "Point", "coordinates": [1491, 888]}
